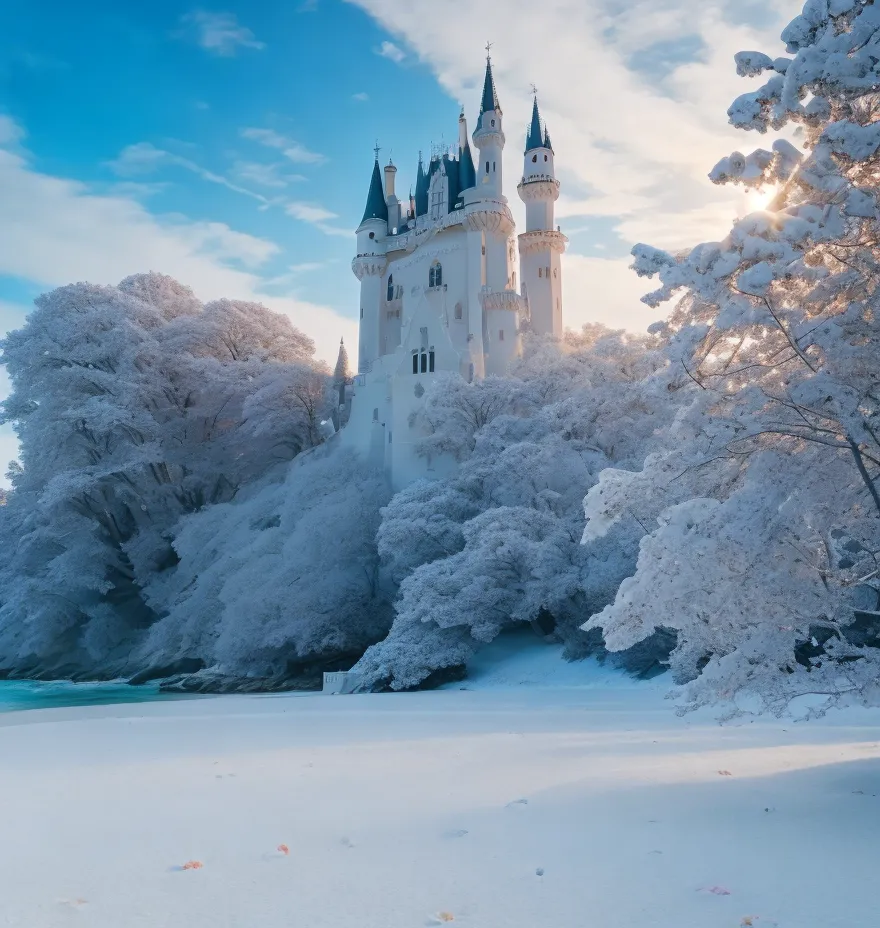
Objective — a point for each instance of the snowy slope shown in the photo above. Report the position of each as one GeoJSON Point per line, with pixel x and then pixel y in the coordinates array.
{"type": "Point", "coordinates": [400, 810]}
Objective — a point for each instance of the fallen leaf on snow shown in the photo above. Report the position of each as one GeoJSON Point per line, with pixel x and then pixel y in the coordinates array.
{"type": "Point", "coordinates": [446, 917]}
{"type": "Point", "coordinates": [192, 865]}
{"type": "Point", "coordinates": [285, 850]}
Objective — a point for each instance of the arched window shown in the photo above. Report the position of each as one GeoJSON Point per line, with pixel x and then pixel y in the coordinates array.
{"type": "Point", "coordinates": [435, 275]}
{"type": "Point", "coordinates": [534, 159]}
{"type": "Point", "coordinates": [372, 235]}
{"type": "Point", "coordinates": [415, 362]}
{"type": "Point", "coordinates": [390, 287]}
{"type": "Point", "coordinates": [493, 122]}
{"type": "Point", "coordinates": [545, 157]}
{"type": "Point", "coordinates": [493, 167]}
{"type": "Point", "coordinates": [458, 311]}
{"type": "Point", "coordinates": [487, 167]}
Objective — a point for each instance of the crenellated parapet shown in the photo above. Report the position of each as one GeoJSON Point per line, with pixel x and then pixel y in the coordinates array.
{"type": "Point", "coordinates": [542, 240]}
{"type": "Point", "coordinates": [369, 266]}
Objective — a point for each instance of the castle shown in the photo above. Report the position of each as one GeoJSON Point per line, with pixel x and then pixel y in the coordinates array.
{"type": "Point", "coordinates": [439, 282]}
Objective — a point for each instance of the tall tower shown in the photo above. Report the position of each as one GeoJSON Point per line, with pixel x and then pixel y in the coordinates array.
{"type": "Point", "coordinates": [368, 267]}
{"type": "Point", "coordinates": [542, 244]}
{"type": "Point", "coordinates": [489, 139]}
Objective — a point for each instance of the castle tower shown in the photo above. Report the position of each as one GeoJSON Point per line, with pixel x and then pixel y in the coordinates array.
{"type": "Point", "coordinates": [542, 244]}
{"type": "Point", "coordinates": [391, 200]}
{"type": "Point", "coordinates": [368, 267]}
{"type": "Point", "coordinates": [489, 139]}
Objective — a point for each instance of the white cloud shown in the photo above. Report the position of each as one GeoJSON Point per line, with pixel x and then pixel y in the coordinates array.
{"type": "Point", "coordinates": [266, 175]}
{"type": "Point", "coordinates": [289, 148]}
{"type": "Point", "coordinates": [391, 51]}
{"type": "Point", "coordinates": [605, 290]}
{"type": "Point", "coordinates": [219, 33]}
{"type": "Point", "coordinates": [632, 145]}
{"type": "Point", "coordinates": [360, 97]}
{"type": "Point", "coordinates": [144, 158]}
{"type": "Point", "coordinates": [316, 216]}
{"type": "Point", "coordinates": [10, 131]}
{"type": "Point", "coordinates": [55, 230]}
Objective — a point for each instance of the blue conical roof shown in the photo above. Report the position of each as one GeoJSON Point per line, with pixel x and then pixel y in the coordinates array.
{"type": "Point", "coordinates": [421, 189]}
{"type": "Point", "coordinates": [490, 95]}
{"type": "Point", "coordinates": [376, 208]}
{"type": "Point", "coordinates": [534, 139]}
{"type": "Point", "coordinates": [467, 174]}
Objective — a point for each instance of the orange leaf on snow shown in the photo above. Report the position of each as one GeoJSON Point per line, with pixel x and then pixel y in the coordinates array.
{"type": "Point", "coordinates": [285, 850]}
{"type": "Point", "coordinates": [193, 865]}
{"type": "Point", "coordinates": [446, 917]}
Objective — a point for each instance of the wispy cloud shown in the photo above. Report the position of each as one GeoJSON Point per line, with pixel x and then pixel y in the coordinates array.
{"type": "Point", "coordinates": [218, 33]}
{"type": "Point", "coordinates": [144, 158]}
{"type": "Point", "coordinates": [316, 216]}
{"type": "Point", "coordinates": [10, 131]}
{"type": "Point", "coordinates": [391, 51]}
{"type": "Point", "coordinates": [56, 230]}
{"type": "Point", "coordinates": [291, 149]}
{"type": "Point", "coordinates": [266, 175]}
{"type": "Point", "coordinates": [360, 97]}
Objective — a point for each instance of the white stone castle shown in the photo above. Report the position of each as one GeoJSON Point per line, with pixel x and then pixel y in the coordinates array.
{"type": "Point", "coordinates": [439, 282]}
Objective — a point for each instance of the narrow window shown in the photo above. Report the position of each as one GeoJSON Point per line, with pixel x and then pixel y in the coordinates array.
{"type": "Point", "coordinates": [501, 335]}
{"type": "Point", "coordinates": [458, 310]}
{"type": "Point", "coordinates": [540, 272]}
{"type": "Point", "coordinates": [362, 312]}
{"type": "Point", "coordinates": [534, 159]}
{"type": "Point", "coordinates": [493, 167]}
{"type": "Point", "coordinates": [471, 374]}
{"type": "Point", "coordinates": [376, 414]}
{"type": "Point", "coordinates": [415, 364]}
{"type": "Point", "coordinates": [554, 272]}
{"type": "Point", "coordinates": [547, 271]}
{"type": "Point", "coordinates": [484, 249]}
{"type": "Point", "coordinates": [389, 438]}
{"type": "Point", "coordinates": [431, 361]}
{"type": "Point", "coordinates": [545, 157]}
{"type": "Point", "coordinates": [493, 122]}
{"type": "Point", "coordinates": [390, 287]}
{"type": "Point", "coordinates": [487, 167]}
{"type": "Point", "coordinates": [372, 235]}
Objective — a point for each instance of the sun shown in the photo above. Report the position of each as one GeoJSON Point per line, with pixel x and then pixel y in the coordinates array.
{"type": "Point", "coordinates": [759, 198]}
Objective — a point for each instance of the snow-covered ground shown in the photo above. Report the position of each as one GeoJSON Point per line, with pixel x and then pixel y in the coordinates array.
{"type": "Point", "coordinates": [510, 804]}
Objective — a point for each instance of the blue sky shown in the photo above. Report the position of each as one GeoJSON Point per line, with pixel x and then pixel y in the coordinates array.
{"type": "Point", "coordinates": [231, 145]}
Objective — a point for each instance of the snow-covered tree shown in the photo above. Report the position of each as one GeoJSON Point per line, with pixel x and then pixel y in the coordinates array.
{"type": "Point", "coordinates": [285, 576]}
{"type": "Point", "coordinates": [498, 543]}
{"type": "Point", "coordinates": [133, 405]}
{"type": "Point", "coordinates": [766, 484]}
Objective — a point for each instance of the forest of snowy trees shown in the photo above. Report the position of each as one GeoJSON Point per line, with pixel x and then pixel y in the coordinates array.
{"type": "Point", "coordinates": [705, 496]}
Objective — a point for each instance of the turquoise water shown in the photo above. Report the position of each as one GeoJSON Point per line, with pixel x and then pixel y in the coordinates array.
{"type": "Point", "coordinates": [16, 695]}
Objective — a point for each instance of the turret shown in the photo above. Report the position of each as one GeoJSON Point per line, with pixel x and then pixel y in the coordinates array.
{"type": "Point", "coordinates": [542, 244]}
{"type": "Point", "coordinates": [391, 200]}
{"type": "Point", "coordinates": [489, 139]}
{"type": "Point", "coordinates": [369, 265]}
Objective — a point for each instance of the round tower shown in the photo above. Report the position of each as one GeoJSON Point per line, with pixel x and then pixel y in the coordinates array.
{"type": "Point", "coordinates": [489, 139]}
{"type": "Point", "coordinates": [368, 266]}
{"type": "Point", "coordinates": [542, 244]}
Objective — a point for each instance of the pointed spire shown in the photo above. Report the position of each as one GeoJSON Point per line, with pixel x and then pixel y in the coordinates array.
{"type": "Point", "coordinates": [421, 189]}
{"type": "Point", "coordinates": [376, 207]}
{"type": "Point", "coordinates": [342, 371]}
{"type": "Point", "coordinates": [547, 142]}
{"type": "Point", "coordinates": [490, 94]}
{"type": "Point", "coordinates": [534, 139]}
